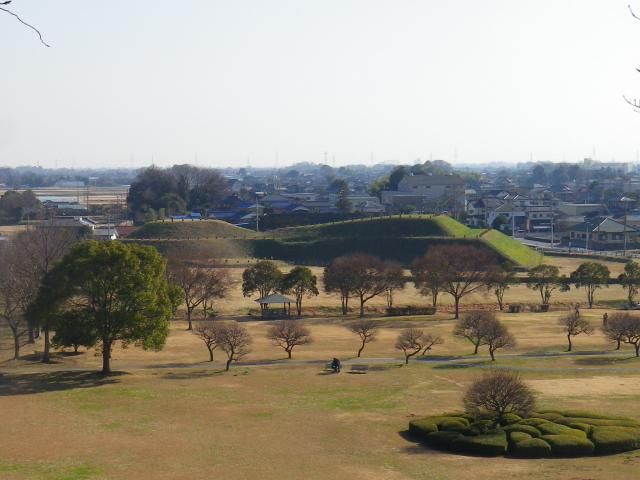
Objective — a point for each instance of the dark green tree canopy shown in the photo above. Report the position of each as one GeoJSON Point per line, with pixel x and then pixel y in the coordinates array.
{"type": "Point", "coordinates": [120, 290]}
{"type": "Point", "coordinates": [264, 277]}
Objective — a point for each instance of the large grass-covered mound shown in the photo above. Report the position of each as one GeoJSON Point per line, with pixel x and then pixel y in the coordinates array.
{"type": "Point", "coordinates": [543, 434]}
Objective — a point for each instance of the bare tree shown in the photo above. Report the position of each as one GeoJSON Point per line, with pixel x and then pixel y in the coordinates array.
{"type": "Point", "coordinates": [574, 325]}
{"type": "Point", "coordinates": [496, 336]}
{"type": "Point", "coordinates": [429, 276]}
{"type": "Point", "coordinates": [337, 279]}
{"type": "Point", "coordinates": [616, 327]}
{"type": "Point", "coordinates": [497, 394]}
{"type": "Point", "coordinates": [208, 332]}
{"type": "Point", "coordinates": [466, 269]}
{"type": "Point", "coordinates": [395, 279]}
{"type": "Point", "coordinates": [430, 341]}
{"type": "Point", "coordinates": [471, 327]}
{"type": "Point", "coordinates": [367, 330]}
{"type": "Point", "coordinates": [13, 296]}
{"type": "Point", "coordinates": [234, 340]}
{"type": "Point", "coordinates": [199, 284]}
{"type": "Point", "coordinates": [17, 17]}
{"type": "Point", "coordinates": [632, 333]}
{"type": "Point", "coordinates": [288, 334]}
{"type": "Point", "coordinates": [412, 341]}
{"type": "Point", "coordinates": [500, 280]}
{"type": "Point", "coordinates": [41, 248]}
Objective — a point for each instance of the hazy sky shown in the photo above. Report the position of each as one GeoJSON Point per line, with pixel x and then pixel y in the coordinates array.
{"type": "Point", "coordinates": [222, 83]}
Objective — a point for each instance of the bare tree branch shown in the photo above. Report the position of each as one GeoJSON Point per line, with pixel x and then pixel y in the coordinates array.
{"type": "Point", "coordinates": [7, 2]}
{"type": "Point", "coordinates": [635, 103]}
{"type": "Point", "coordinates": [633, 13]}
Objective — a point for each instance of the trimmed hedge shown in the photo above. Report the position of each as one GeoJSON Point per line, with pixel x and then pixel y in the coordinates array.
{"type": "Point", "coordinates": [510, 418]}
{"type": "Point", "coordinates": [485, 445]}
{"type": "Point", "coordinates": [422, 427]}
{"type": "Point", "coordinates": [569, 445]}
{"type": "Point", "coordinates": [518, 427]}
{"type": "Point", "coordinates": [532, 448]}
{"type": "Point", "coordinates": [609, 440]}
{"type": "Point", "coordinates": [533, 437]}
{"type": "Point", "coordinates": [557, 429]}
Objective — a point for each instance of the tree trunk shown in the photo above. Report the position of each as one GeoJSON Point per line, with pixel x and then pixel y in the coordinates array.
{"type": "Point", "coordinates": [189, 312]}
{"type": "Point", "coordinates": [46, 354]}
{"type": "Point", "coordinates": [75, 348]}
{"type": "Point", "coordinates": [210, 354]}
{"type": "Point", "coordinates": [434, 299]}
{"type": "Point", "coordinates": [32, 336]}
{"type": "Point", "coordinates": [457, 300]}
{"type": "Point", "coordinates": [618, 345]}
{"type": "Point", "coordinates": [289, 353]}
{"type": "Point", "coordinates": [106, 358]}
{"type": "Point", "coordinates": [493, 358]}
{"type": "Point", "coordinates": [16, 346]}
{"type": "Point", "coordinates": [229, 360]}
{"type": "Point", "coordinates": [476, 345]}
{"type": "Point", "coordinates": [361, 307]}
{"type": "Point", "coordinates": [406, 359]}
{"type": "Point", "coordinates": [637, 345]}
{"type": "Point", "coordinates": [299, 307]}
{"type": "Point", "coordinates": [569, 340]}
{"type": "Point", "coordinates": [361, 349]}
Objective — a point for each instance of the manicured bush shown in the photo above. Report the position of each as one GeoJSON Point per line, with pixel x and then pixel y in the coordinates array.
{"type": "Point", "coordinates": [557, 429]}
{"type": "Point", "coordinates": [551, 416]}
{"type": "Point", "coordinates": [533, 421]}
{"type": "Point", "coordinates": [482, 426]}
{"type": "Point", "coordinates": [510, 418]}
{"type": "Point", "coordinates": [485, 445]}
{"type": "Point", "coordinates": [422, 427]}
{"type": "Point", "coordinates": [519, 427]}
{"type": "Point", "coordinates": [442, 420]}
{"type": "Point", "coordinates": [516, 437]}
{"type": "Point", "coordinates": [532, 448]}
{"type": "Point", "coordinates": [603, 422]}
{"type": "Point", "coordinates": [443, 440]}
{"type": "Point", "coordinates": [582, 426]}
{"type": "Point", "coordinates": [610, 440]}
{"type": "Point", "coordinates": [453, 425]}
{"type": "Point", "coordinates": [569, 445]}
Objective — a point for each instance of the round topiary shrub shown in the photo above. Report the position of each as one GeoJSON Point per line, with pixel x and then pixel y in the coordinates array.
{"type": "Point", "coordinates": [519, 427]}
{"type": "Point", "coordinates": [532, 448]}
{"type": "Point", "coordinates": [569, 445]}
{"type": "Point", "coordinates": [422, 427]}
{"type": "Point", "coordinates": [510, 419]}
{"type": "Point", "coordinates": [529, 438]}
{"type": "Point", "coordinates": [484, 445]}
{"type": "Point", "coordinates": [609, 440]}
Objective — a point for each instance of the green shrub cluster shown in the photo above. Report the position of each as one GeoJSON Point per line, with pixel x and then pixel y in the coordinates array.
{"type": "Point", "coordinates": [543, 435]}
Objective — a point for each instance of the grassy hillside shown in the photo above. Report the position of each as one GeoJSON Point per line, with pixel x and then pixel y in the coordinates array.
{"type": "Point", "coordinates": [392, 238]}
{"type": "Point", "coordinates": [511, 249]}
{"type": "Point", "coordinates": [189, 230]}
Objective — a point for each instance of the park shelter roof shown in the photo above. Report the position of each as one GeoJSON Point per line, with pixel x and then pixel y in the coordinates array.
{"type": "Point", "coordinates": [274, 299]}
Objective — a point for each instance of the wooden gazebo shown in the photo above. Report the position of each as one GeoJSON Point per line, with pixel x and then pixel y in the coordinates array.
{"type": "Point", "coordinates": [275, 312]}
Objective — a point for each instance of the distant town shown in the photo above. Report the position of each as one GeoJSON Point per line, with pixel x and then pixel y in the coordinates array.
{"type": "Point", "coordinates": [584, 205]}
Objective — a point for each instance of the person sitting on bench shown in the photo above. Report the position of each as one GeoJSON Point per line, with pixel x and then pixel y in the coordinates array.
{"type": "Point", "coordinates": [335, 365]}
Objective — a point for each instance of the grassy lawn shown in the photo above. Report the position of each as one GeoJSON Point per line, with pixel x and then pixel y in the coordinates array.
{"type": "Point", "coordinates": [173, 415]}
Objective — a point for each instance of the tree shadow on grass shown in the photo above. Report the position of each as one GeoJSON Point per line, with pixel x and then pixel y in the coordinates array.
{"type": "Point", "coordinates": [606, 360]}
{"type": "Point", "coordinates": [461, 366]}
{"type": "Point", "coordinates": [31, 383]}
{"type": "Point", "coordinates": [417, 447]}
{"type": "Point", "coordinates": [192, 375]}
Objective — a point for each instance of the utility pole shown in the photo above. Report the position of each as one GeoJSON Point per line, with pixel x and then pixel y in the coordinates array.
{"type": "Point", "coordinates": [552, 242]}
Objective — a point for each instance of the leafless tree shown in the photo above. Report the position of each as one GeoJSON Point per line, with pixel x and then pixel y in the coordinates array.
{"type": "Point", "coordinates": [616, 327]}
{"type": "Point", "coordinates": [465, 269]}
{"type": "Point", "coordinates": [412, 341]}
{"type": "Point", "coordinates": [13, 297]}
{"type": "Point", "coordinates": [500, 280]}
{"type": "Point", "coordinates": [471, 327]}
{"type": "Point", "coordinates": [367, 330]}
{"type": "Point", "coordinates": [635, 103]}
{"type": "Point", "coordinates": [497, 394]}
{"type": "Point", "coordinates": [496, 336]}
{"type": "Point", "coordinates": [19, 19]}
{"type": "Point", "coordinates": [208, 332]}
{"type": "Point", "coordinates": [337, 279]}
{"type": "Point", "coordinates": [395, 280]}
{"type": "Point", "coordinates": [234, 340]}
{"type": "Point", "coordinates": [429, 276]}
{"type": "Point", "coordinates": [574, 324]}
{"type": "Point", "coordinates": [288, 334]}
{"type": "Point", "coordinates": [429, 341]}
{"type": "Point", "coordinates": [41, 248]}
{"type": "Point", "coordinates": [199, 284]}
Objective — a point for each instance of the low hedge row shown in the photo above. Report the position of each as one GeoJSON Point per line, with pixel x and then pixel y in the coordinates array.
{"type": "Point", "coordinates": [534, 437]}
